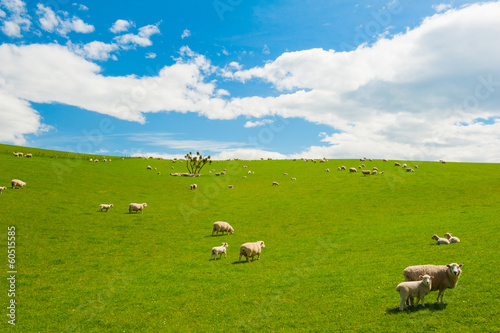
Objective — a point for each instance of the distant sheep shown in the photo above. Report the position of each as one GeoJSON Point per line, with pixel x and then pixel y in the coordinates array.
{"type": "Point", "coordinates": [222, 226]}
{"type": "Point", "coordinates": [249, 172]}
{"type": "Point", "coordinates": [397, 164]}
{"type": "Point", "coordinates": [219, 250]}
{"type": "Point", "coordinates": [245, 166]}
{"type": "Point", "coordinates": [409, 170]}
{"type": "Point", "coordinates": [381, 173]}
{"type": "Point", "coordinates": [294, 178]}
{"type": "Point", "coordinates": [193, 186]}
{"type": "Point", "coordinates": [366, 172]}
{"type": "Point", "coordinates": [285, 174]}
{"type": "Point", "coordinates": [18, 154]}
{"type": "Point", "coordinates": [217, 173]}
{"type": "Point", "coordinates": [363, 165]}
{"type": "Point", "coordinates": [28, 155]}
{"type": "Point", "coordinates": [104, 160]}
{"type": "Point", "coordinates": [442, 161]}
{"type": "Point", "coordinates": [375, 168]}
{"type": "Point", "coordinates": [17, 182]}
{"type": "Point", "coordinates": [374, 172]}
{"type": "Point", "coordinates": [360, 167]}
{"type": "Point", "coordinates": [2, 188]}
{"type": "Point", "coordinates": [91, 160]}
{"type": "Point", "coordinates": [343, 168]}
{"type": "Point", "coordinates": [451, 238]}
{"type": "Point", "coordinates": [353, 170]}
{"type": "Point", "coordinates": [244, 176]}
{"type": "Point", "coordinates": [96, 160]}
{"type": "Point", "coordinates": [445, 277]}
{"type": "Point", "coordinates": [370, 159]}
{"type": "Point", "coordinates": [251, 250]}
{"type": "Point", "coordinates": [416, 166]}
{"type": "Point", "coordinates": [275, 183]}
{"type": "Point", "coordinates": [411, 289]}
{"type": "Point", "coordinates": [159, 173]}
{"type": "Point", "coordinates": [105, 207]}
{"type": "Point", "coordinates": [440, 241]}
{"type": "Point", "coordinates": [230, 186]}
{"type": "Point", "coordinates": [135, 207]}
{"type": "Point", "coordinates": [149, 167]}
{"type": "Point", "coordinates": [385, 160]}
{"type": "Point", "coordinates": [339, 169]}
{"type": "Point", "coordinates": [327, 170]}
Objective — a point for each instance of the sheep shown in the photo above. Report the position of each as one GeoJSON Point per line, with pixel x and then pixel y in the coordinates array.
{"type": "Point", "coordinates": [155, 169]}
{"type": "Point", "coordinates": [339, 169]}
{"type": "Point", "coordinates": [360, 167]}
{"type": "Point", "coordinates": [159, 173]}
{"type": "Point", "coordinates": [230, 186]}
{"type": "Point", "coordinates": [374, 172]}
{"type": "Point", "coordinates": [440, 240]}
{"type": "Point", "coordinates": [135, 207]}
{"type": "Point", "coordinates": [375, 168]}
{"type": "Point", "coordinates": [385, 160]}
{"type": "Point", "coordinates": [249, 172]}
{"type": "Point", "coordinates": [244, 176]}
{"type": "Point", "coordinates": [193, 186]}
{"type": "Point", "coordinates": [149, 167]}
{"type": "Point", "coordinates": [451, 238]}
{"type": "Point", "coordinates": [442, 161]}
{"type": "Point", "coordinates": [397, 164]}
{"type": "Point", "coordinates": [353, 170]}
{"type": "Point", "coordinates": [217, 173]}
{"type": "Point", "coordinates": [18, 154]}
{"type": "Point", "coordinates": [15, 154]}
{"type": "Point", "coordinates": [2, 188]}
{"type": "Point", "coordinates": [219, 250]}
{"type": "Point", "coordinates": [371, 159]}
{"type": "Point", "coordinates": [404, 165]}
{"type": "Point", "coordinates": [362, 159]}
{"type": "Point", "coordinates": [366, 172]}
{"type": "Point", "coordinates": [409, 170]}
{"type": "Point", "coordinates": [90, 160]}
{"type": "Point", "coordinates": [285, 174]}
{"type": "Point", "coordinates": [411, 289]}
{"type": "Point", "coordinates": [343, 167]}
{"type": "Point", "coordinates": [123, 158]}
{"type": "Point", "coordinates": [294, 178]}
{"type": "Point", "coordinates": [322, 161]}
{"type": "Point", "coordinates": [104, 160]}
{"type": "Point", "coordinates": [363, 165]}
{"type": "Point", "coordinates": [245, 166]}
{"type": "Point", "coordinates": [29, 155]}
{"type": "Point", "coordinates": [105, 207]}
{"type": "Point", "coordinates": [444, 276]}
{"type": "Point", "coordinates": [222, 226]}
{"type": "Point", "coordinates": [381, 173]}
{"type": "Point", "coordinates": [251, 250]}
{"type": "Point", "coordinates": [275, 183]}
{"type": "Point", "coordinates": [416, 166]}
{"type": "Point", "coordinates": [17, 182]}
{"type": "Point", "coordinates": [327, 170]}
{"type": "Point", "coordinates": [96, 160]}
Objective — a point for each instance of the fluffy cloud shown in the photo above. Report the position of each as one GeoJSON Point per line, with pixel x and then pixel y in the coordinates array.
{"type": "Point", "coordinates": [143, 38]}
{"type": "Point", "coordinates": [50, 22]}
{"type": "Point", "coordinates": [186, 33]}
{"type": "Point", "coordinates": [441, 7]}
{"type": "Point", "coordinates": [150, 55]}
{"type": "Point", "coordinates": [120, 26]}
{"type": "Point", "coordinates": [15, 18]}
{"type": "Point", "coordinates": [257, 123]}
{"type": "Point", "coordinates": [94, 50]}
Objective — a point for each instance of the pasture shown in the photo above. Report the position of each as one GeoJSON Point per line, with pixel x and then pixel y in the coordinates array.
{"type": "Point", "coordinates": [336, 245]}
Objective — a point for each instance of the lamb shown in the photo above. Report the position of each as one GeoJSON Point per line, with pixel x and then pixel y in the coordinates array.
{"type": "Point", "coordinates": [193, 186]}
{"type": "Point", "coordinates": [440, 240]}
{"type": "Point", "coordinates": [353, 170]}
{"type": "Point", "coordinates": [219, 250]}
{"type": "Point", "coordinates": [397, 164]}
{"type": "Point", "coordinates": [2, 188]}
{"type": "Point", "coordinates": [135, 207]}
{"type": "Point", "coordinates": [366, 172]}
{"type": "Point", "coordinates": [275, 183]}
{"type": "Point", "coordinates": [411, 289]}
{"type": "Point", "coordinates": [444, 276]}
{"type": "Point", "coordinates": [17, 182]}
{"type": "Point", "coordinates": [451, 238]}
{"type": "Point", "coordinates": [222, 226]}
{"type": "Point", "coordinates": [381, 173]}
{"type": "Point", "coordinates": [105, 207]}
{"type": "Point", "coordinates": [28, 155]}
{"type": "Point", "coordinates": [251, 250]}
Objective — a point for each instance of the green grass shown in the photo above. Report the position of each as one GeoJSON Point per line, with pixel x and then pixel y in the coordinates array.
{"type": "Point", "coordinates": [336, 245]}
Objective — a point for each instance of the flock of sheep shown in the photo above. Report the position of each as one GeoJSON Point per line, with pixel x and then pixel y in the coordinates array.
{"type": "Point", "coordinates": [249, 250]}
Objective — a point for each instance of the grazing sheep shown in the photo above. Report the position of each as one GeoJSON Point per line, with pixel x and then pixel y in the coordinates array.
{"type": "Point", "coordinates": [339, 168]}
{"type": "Point", "coordinates": [374, 172]}
{"type": "Point", "coordinates": [17, 182]}
{"type": "Point", "coordinates": [105, 207]}
{"type": "Point", "coordinates": [251, 250]}
{"type": "Point", "coordinates": [343, 168]}
{"type": "Point", "coordinates": [385, 160]}
{"type": "Point", "coordinates": [366, 172]}
{"type": "Point", "coordinates": [409, 170]}
{"type": "Point", "coordinates": [397, 164]}
{"type": "Point", "coordinates": [135, 207]}
{"type": "Point", "coordinates": [362, 159]}
{"type": "Point", "coordinates": [249, 172]}
{"type": "Point", "coordinates": [222, 226]}
{"type": "Point", "coordinates": [275, 183]}
{"type": "Point", "coordinates": [244, 176]}
{"type": "Point", "coordinates": [451, 238]}
{"type": "Point", "coordinates": [91, 160]}
{"type": "Point", "coordinates": [440, 240]}
{"type": "Point", "coordinates": [217, 173]}
{"type": "Point", "coordinates": [159, 173]}
{"type": "Point", "coordinates": [18, 154]}
{"type": "Point", "coordinates": [285, 174]}
{"type": "Point", "coordinates": [15, 154]}
{"type": "Point", "coordinates": [444, 276]}
{"type": "Point", "coordinates": [322, 161]}
{"type": "Point", "coordinates": [360, 167]}
{"type": "Point", "coordinates": [375, 168]}
{"type": "Point", "coordinates": [193, 186]}
{"type": "Point", "coordinates": [404, 165]}
{"type": "Point", "coordinates": [371, 160]}
{"type": "Point", "coordinates": [381, 173]}
{"type": "Point", "coordinates": [416, 166]}
{"type": "Point", "coordinates": [29, 155]}
{"type": "Point", "coordinates": [245, 166]}
{"type": "Point", "coordinates": [2, 188]}
{"type": "Point", "coordinates": [230, 186]}
{"type": "Point", "coordinates": [155, 169]}
{"type": "Point", "coordinates": [104, 160]}
{"type": "Point", "coordinates": [294, 178]}
{"type": "Point", "coordinates": [223, 172]}
{"type": "Point", "coordinates": [327, 170]}
{"type": "Point", "coordinates": [411, 289]}
{"type": "Point", "coordinates": [363, 165]}
{"type": "Point", "coordinates": [219, 250]}
{"type": "Point", "coordinates": [353, 170]}
{"type": "Point", "coordinates": [96, 160]}
{"type": "Point", "coordinates": [442, 161]}
{"type": "Point", "coordinates": [149, 167]}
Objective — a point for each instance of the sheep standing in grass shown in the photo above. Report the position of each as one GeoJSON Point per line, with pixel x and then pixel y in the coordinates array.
{"type": "Point", "coordinates": [397, 164]}
{"type": "Point", "coordinates": [293, 178]}
{"type": "Point", "coordinates": [149, 167]}
{"type": "Point", "coordinates": [219, 250]}
{"type": "Point", "coordinates": [275, 183]}
{"type": "Point", "coordinates": [327, 170]}
{"type": "Point", "coordinates": [411, 289]}
{"type": "Point", "coordinates": [193, 186]}
{"type": "Point", "coordinates": [285, 174]}
{"type": "Point", "coordinates": [353, 170]}
{"type": "Point", "coordinates": [29, 155]}
{"type": "Point", "coordinates": [445, 277]}
{"type": "Point", "coordinates": [251, 250]}
{"type": "Point", "coordinates": [385, 160]}
{"type": "Point", "coordinates": [409, 170]}
{"type": "Point", "coordinates": [17, 182]}
{"type": "Point", "coordinates": [2, 188]}
{"type": "Point", "coordinates": [374, 172]}
{"type": "Point", "coordinates": [343, 167]}
{"type": "Point", "coordinates": [135, 207]}
{"type": "Point", "coordinates": [451, 238]}
{"type": "Point", "coordinates": [230, 186]}
{"type": "Point", "coordinates": [105, 207]}
{"type": "Point", "coordinates": [91, 160]}
{"type": "Point", "coordinates": [366, 172]}
{"type": "Point", "coordinates": [96, 160]}
{"type": "Point", "coordinates": [440, 241]}
{"type": "Point", "coordinates": [416, 166]}
{"type": "Point", "coordinates": [222, 226]}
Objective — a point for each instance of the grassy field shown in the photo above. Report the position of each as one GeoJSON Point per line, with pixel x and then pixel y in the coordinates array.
{"type": "Point", "coordinates": [336, 245]}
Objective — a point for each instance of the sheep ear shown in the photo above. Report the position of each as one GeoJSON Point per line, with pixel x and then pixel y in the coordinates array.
{"type": "Point", "coordinates": [460, 265]}
{"type": "Point", "coordinates": [420, 276]}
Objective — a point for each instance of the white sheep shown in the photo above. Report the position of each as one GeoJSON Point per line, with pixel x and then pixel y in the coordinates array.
{"type": "Point", "coordinates": [451, 238]}
{"type": "Point", "coordinates": [374, 172]}
{"type": "Point", "coordinates": [343, 167]}
{"type": "Point", "coordinates": [366, 172]}
{"type": "Point", "coordinates": [397, 164]}
{"type": "Point", "coordinates": [285, 174]}
{"type": "Point", "coordinates": [193, 186]}
{"type": "Point", "coordinates": [251, 249]}
{"type": "Point", "coordinates": [353, 170]}
{"type": "Point", "coordinates": [409, 170]}
{"type": "Point", "coordinates": [244, 176]}
{"type": "Point", "coordinates": [2, 188]}
{"type": "Point", "coordinates": [440, 240]}
{"type": "Point", "coordinates": [381, 173]}
{"type": "Point", "coordinates": [327, 170]}
{"type": "Point", "coordinates": [104, 160]}
{"type": "Point", "coordinates": [219, 250]}
{"type": "Point", "coordinates": [135, 207]}
{"type": "Point", "coordinates": [96, 160]}
{"type": "Point", "coordinates": [105, 207]}
{"type": "Point", "coordinates": [411, 289]}
{"type": "Point", "coordinates": [416, 166]}
{"type": "Point", "coordinates": [445, 277]}
{"type": "Point", "coordinates": [29, 155]}
{"type": "Point", "coordinates": [363, 165]}
{"type": "Point", "coordinates": [275, 183]}
{"type": "Point", "coordinates": [149, 167]}
{"type": "Point", "coordinates": [230, 186]}
{"type": "Point", "coordinates": [385, 160]}
{"type": "Point", "coordinates": [339, 168]}
{"type": "Point", "coordinates": [222, 226]}
{"type": "Point", "coordinates": [17, 182]}
{"type": "Point", "coordinates": [404, 165]}
{"type": "Point", "coordinates": [294, 178]}
{"type": "Point", "coordinates": [91, 160]}
{"type": "Point", "coordinates": [375, 168]}
{"type": "Point", "coordinates": [249, 172]}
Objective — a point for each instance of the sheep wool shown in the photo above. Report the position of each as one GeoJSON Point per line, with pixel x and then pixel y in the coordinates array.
{"type": "Point", "coordinates": [251, 250]}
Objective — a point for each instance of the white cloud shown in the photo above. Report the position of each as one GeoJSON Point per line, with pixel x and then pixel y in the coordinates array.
{"type": "Point", "coordinates": [258, 123]}
{"type": "Point", "coordinates": [50, 22]}
{"type": "Point", "coordinates": [247, 154]}
{"type": "Point", "coordinates": [150, 55]}
{"type": "Point", "coordinates": [120, 26]}
{"type": "Point", "coordinates": [141, 39]}
{"type": "Point", "coordinates": [83, 7]}
{"type": "Point", "coordinates": [94, 50]}
{"type": "Point", "coordinates": [15, 18]}
{"type": "Point", "coordinates": [186, 33]}
{"type": "Point", "coordinates": [441, 7]}
{"type": "Point", "coordinates": [265, 50]}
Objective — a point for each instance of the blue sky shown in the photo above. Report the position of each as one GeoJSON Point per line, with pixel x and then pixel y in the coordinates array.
{"type": "Point", "coordinates": [248, 79]}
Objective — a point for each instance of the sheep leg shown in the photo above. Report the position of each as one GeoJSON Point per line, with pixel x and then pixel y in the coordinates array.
{"type": "Point", "coordinates": [423, 304]}
{"type": "Point", "coordinates": [240, 257]}
{"type": "Point", "coordinates": [402, 303]}
{"type": "Point", "coordinates": [441, 293]}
